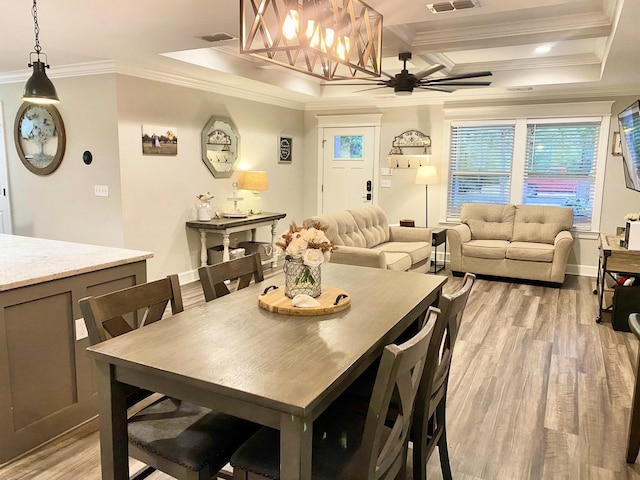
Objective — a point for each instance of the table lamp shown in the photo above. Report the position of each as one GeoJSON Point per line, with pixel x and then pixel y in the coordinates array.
{"type": "Point", "coordinates": [256, 182]}
{"type": "Point", "coordinates": [426, 175]}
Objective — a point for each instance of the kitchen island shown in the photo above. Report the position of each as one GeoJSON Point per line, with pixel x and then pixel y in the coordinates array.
{"type": "Point", "coordinates": [47, 382]}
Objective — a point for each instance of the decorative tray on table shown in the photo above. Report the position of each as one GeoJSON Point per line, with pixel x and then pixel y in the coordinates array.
{"type": "Point", "coordinates": [331, 300]}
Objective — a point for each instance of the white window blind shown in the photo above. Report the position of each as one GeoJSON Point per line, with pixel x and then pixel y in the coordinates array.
{"type": "Point", "coordinates": [560, 167]}
{"type": "Point", "coordinates": [479, 165]}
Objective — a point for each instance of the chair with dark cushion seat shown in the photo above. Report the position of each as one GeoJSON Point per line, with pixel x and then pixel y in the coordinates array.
{"type": "Point", "coordinates": [633, 445]}
{"type": "Point", "coordinates": [347, 445]}
{"type": "Point", "coordinates": [183, 440]}
{"type": "Point", "coordinates": [213, 277]}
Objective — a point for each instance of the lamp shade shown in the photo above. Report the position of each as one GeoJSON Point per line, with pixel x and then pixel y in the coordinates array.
{"type": "Point", "coordinates": [39, 88]}
{"type": "Point", "coordinates": [426, 175]}
{"type": "Point", "coordinates": [254, 181]}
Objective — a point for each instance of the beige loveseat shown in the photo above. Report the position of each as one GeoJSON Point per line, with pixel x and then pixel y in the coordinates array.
{"type": "Point", "coordinates": [518, 241]}
{"type": "Point", "coordinates": [364, 238]}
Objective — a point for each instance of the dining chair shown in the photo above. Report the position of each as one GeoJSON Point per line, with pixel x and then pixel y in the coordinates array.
{"type": "Point", "coordinates": [213, 277]}
{"type": "Point", "coordinates": [347, 445]}
{"type": "Point", "coordinates": [633, 444]}
{"type": "Point", "coordinates": [181, 439]}
{"type": "Point", "coordinates": [429, 422]}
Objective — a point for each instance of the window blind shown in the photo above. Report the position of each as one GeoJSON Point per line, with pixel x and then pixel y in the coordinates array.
{"type": "Point", "coordinates": [560, 168]}
{"type": "Point", "coordinates": [479, 165]}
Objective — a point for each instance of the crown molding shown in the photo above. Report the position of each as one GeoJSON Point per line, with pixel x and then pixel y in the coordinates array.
{"type": "Point", "coordinates": [75, 70]}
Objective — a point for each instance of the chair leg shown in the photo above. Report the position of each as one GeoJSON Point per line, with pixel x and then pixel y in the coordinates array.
{"type": "Point", "coordinates": [443, 448]}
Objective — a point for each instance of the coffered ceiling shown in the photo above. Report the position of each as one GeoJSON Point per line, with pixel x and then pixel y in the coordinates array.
{"type": "Point", "coordinates": [593, 47]}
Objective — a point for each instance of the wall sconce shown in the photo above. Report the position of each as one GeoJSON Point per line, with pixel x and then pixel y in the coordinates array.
{"type": "Point", "coordinates": [39, 88]}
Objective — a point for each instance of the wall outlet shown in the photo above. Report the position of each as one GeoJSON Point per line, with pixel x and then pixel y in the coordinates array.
{"type": "Point", "coordinates": [386, 183]}
{"type": "Point", "coordinates": [81, 329]}
{"type": "Point", "coordinates": [101, 190]}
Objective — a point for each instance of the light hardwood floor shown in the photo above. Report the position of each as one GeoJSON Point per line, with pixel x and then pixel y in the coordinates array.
{"type": "Point", "coordinates": [538, 390]}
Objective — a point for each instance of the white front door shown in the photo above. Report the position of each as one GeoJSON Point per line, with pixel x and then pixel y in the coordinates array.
{"type": "Point", "coordinates": [5, 210]}
{"type": "Point", "coordinates": [348, 167]}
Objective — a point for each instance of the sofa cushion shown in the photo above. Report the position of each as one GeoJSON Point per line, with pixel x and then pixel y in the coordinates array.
{"type": "Point", "coordinates": [540, 224]}
{"type": "Point", "coordinates": [372, 223]}
{"type": "Point", "coordinates": [488, 221]}
{"type": "Point", "coordinates": [418, 251]}
{"type": "Point", "coordinates": [400, 262]}
{"type": "Point", "coordinates": [485, 249]}
{"type": "Point", "coordinates": [529, 251]}
{"type": "Point", "coordinates": [342, 228]}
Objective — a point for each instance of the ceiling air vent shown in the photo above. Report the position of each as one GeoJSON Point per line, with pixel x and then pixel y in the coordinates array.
{"type": "Point", "coordinates": [442, 7]}
{"type": "Point", "coordinates": [217, 37]}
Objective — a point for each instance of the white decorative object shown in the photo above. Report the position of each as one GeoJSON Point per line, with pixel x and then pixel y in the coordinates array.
{"type": "Point", "coordinates": [632, 236]}
{"type": "Point", "coordinates": [303, 300]}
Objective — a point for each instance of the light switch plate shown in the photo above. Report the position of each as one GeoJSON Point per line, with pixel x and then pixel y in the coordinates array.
{"type": "Point", "coordinates": [101, 190]}
{"type": "Point", "coordinates": [386, 172]}
{"type": "Point", "coordinates": [385, 183]}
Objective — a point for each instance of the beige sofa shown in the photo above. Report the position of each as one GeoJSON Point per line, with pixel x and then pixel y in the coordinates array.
{"type": "Point", "coordinates": [518, 241]}
{"type": "Point", "coordinates": [364, 238]}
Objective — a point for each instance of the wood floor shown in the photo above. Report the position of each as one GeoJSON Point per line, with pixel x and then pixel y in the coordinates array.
{"type": "Point", "coordinates": [538, 390]}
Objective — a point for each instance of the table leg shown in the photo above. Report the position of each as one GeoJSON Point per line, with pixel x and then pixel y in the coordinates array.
{"type": "Point", "coordinates": [112, 407]}
{"type": "Point", "coordinates": [203, 247]}
{"type": "Point", "coordinates": [274, 249]}
{"type": "Point", "coordinates": [295, 448]}
{"type": "Point", "coordinates": [225, 244]}
{"type": "Point", "coordinates": [253, 234]}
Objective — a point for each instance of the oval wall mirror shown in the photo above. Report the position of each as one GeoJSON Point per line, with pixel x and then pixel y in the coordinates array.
{"type": "Point", "coordinates": [220, 146]}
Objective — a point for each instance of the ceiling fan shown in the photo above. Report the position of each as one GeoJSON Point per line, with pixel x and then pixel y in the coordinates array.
{"type": "Point", "coordinates": [404, 82]}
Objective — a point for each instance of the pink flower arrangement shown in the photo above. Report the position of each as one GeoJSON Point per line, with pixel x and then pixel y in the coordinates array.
{"type": "Point", "coordinates": [310, 243]}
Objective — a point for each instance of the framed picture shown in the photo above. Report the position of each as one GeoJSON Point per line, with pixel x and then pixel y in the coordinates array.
{"type": "Point", "coordinates": [616, 144]}
{"type": "Point", "coordinates": [40, 137]}
{"type": "Point", "coordinates": [158, 140]}
{"type": "Point", "coordinates": [285, 150]}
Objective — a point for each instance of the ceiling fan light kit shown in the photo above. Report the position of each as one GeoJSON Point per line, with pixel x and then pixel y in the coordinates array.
{"type": "Point", "coordinates": [328, 39]}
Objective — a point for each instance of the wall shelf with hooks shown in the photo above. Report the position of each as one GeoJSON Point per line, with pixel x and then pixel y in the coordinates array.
{"type": "Point", "coordinates": [410, 150]}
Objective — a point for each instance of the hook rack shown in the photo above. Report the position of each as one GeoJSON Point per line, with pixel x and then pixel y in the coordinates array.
{"type": "Point", "coordinates": [412, 147]}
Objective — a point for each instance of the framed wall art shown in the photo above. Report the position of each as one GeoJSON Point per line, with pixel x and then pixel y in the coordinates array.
{"type": "Point", "coordinates": [40, 137]}
{"type": "Point", "coordinates": [285, 149]}
{"type": "Point", "coordinates": [159, 140]}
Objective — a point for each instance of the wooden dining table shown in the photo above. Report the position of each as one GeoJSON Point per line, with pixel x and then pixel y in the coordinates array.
{"type": "Point", "coordinates": [277, 370]}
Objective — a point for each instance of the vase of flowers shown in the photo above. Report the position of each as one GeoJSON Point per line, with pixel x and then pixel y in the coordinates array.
{"type": "Point", "coordinates": [306, 249]}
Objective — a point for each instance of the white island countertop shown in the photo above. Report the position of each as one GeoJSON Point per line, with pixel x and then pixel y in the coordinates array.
{"type": "Point", "coordinates": [28, 261]}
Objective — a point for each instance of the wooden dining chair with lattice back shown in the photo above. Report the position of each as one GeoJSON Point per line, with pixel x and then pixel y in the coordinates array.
{"type": "Point", "coordinates": [347, 445]}
{"type": "Point", "coordinates": [184, 440]}
{"type": "Point", "coordinates": [213, 277]}
{"type": "Point", "coordinates": [633, 444]}
{"type": "Point", "coordinates": [429, 423]}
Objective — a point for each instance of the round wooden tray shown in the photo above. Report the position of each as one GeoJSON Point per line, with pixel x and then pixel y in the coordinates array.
{"type": "Point", "coordinates": [276, 301]}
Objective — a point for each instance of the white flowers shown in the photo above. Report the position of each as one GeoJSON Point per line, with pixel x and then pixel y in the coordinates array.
{"type": "Point", "coordinates": [309, 243]}
{"type": "Point", "coordinates": [632, 217]}
{"type": "Point", "coordinates": [204, 197]}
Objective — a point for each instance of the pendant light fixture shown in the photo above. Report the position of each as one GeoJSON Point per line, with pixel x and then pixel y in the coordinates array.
{"type": "Point", "coordinates": [39, 88]}
{"type": "Point", "coordinates": [328, 39]}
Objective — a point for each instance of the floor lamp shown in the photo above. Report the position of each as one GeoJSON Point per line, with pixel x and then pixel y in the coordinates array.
{"type": "Point", "coordinates": [426, 175]}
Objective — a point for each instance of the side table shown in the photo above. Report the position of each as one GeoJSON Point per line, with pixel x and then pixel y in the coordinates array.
{"type": "Point", "coordinates": [227, 226]}
{"type": "Point", "coordinates": [439, 237]}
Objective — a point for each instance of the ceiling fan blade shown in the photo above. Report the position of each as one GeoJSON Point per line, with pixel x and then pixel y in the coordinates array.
{"type": "Point", "coordinates": [369, 89]}
{"type": "Point", "coordinates": [462, 76]}
{"type": "Point", "coordinates": [457, 84]}
{"type": "Point", "coordinates": [331, 84]}
{"type": "Point", "coordinates": [391, 77]}
{"type": "Point", "coordinates": [432, 69]}
{"type": "Point", "coordinates": [435, 89]}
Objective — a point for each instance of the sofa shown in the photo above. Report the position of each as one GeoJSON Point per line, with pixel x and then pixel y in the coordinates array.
{"type": "Point", "coordinates": [363, 237]}
{"type": "Point", "coordinates": [529, 242]}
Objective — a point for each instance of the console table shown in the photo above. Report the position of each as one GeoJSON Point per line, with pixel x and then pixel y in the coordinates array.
{"type": "Point", "coordinates": [227, 226]}
{"type": "Point", "coordinates": [613, 259]}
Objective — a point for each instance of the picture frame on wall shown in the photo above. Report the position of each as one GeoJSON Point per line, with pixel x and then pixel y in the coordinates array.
{"type": "Point", "coordinates": [616, 144]}
{"type": "Point", "coordinates": [285, 149]}
{"type": "Point", "coordinates": [159, 140]}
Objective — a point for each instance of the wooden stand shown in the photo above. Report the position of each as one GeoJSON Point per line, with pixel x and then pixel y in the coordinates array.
{"type": "Point", "coordinates": [331, 301]}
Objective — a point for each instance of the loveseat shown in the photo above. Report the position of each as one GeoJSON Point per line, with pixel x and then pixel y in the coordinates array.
{"type": "Point", "coordinates": [364, 238]}
{"type": "Point", "coordinates": [530, 242]}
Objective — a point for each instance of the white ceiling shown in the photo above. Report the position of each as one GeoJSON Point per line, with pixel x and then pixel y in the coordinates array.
{"type": "Point", "coordinates": [595, 47]}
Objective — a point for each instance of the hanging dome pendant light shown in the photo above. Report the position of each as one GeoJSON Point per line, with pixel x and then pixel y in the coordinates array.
{"type": "Point", "coordinates": [39, 88]}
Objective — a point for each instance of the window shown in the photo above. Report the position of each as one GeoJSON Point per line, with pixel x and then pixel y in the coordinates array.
{"type": "Point", "coordinates": [560, 168]}
{"type": "Point", "coordinates": [348, 147]}
{"type": "Point", "coordinates": [524, 161]}
{"type": "Point", "coordinates": [480, 165]}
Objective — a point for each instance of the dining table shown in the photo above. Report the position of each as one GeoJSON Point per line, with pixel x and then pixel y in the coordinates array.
{"type": "Point", "coordinates": [281, 371]}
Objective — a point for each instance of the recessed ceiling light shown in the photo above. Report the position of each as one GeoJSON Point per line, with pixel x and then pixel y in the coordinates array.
{"type": "Point", "coordinates": [543, 49]}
